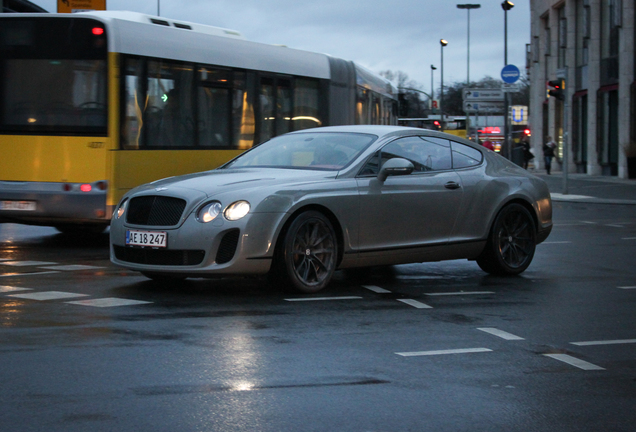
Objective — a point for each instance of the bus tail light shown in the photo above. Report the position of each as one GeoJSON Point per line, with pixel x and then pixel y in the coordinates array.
{"type": "Point", "coordinates": [86, 188]}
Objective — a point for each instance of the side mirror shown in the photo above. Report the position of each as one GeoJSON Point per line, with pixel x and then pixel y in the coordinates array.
{"type": "Point", "coordinates": [395, 167]}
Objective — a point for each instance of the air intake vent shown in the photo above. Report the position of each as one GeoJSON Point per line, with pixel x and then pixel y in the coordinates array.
{"type": "Point", "coordinates": [159, 256]}
{"type": "Point", "coordinates": [155, 211]}
{"type": "Point", "coordinates": [182, 26]}
{"type": "Point", "coordinates": [160, 22]}
{"type": "Point", "coordinates": [227, 248]}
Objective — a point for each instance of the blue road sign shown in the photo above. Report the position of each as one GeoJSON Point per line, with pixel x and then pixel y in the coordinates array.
{"type": "Point", "coordinates": [510, 74]}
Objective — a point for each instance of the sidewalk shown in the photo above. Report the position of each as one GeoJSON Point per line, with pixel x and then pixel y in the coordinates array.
{"type": "Point", "coordinates": [590, 189]}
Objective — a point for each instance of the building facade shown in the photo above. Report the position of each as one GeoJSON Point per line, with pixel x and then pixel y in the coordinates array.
{"type": "Point", "coordinates": [589, 44]}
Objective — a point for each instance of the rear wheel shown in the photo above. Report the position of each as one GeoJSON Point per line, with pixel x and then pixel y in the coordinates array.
{"type": "Point", "coordinates": [511, 243]}
{"type": "Point", "coordinates": [307, 259]}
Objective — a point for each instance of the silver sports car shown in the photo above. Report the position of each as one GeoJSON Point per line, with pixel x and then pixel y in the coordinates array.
{"type": "Point", "coordinates": [304, 204]}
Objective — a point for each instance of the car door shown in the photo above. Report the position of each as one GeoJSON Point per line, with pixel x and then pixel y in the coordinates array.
{"type": "Point", "coordinates": [412, 210]}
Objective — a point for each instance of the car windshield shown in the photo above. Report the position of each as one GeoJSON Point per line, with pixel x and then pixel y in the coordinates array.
{"type": "Point", "coordinates": [311, 150]}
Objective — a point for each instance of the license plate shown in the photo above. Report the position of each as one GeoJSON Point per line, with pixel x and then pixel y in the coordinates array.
{"type": "Point", "coordinates": [146, 238]}
{"type": "Point", "coordinates": [18, 205]}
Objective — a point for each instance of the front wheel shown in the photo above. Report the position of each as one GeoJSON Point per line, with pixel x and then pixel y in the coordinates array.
{"type": "Point", "coordinates": [307, 259]}
{"type": "Point", "coordinates": [511, 243]}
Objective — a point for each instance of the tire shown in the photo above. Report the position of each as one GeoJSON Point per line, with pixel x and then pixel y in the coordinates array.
{"type": "Point", "coordinates": [307, 257]}
{"type": "Point", "coordinates": [511, 243]}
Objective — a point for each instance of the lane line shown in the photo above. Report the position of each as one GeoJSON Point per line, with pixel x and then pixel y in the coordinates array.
{"type": "Point", "coordinates": [108, 302]}
{"type": "Point", "coordinates": [415, 303]}
{"type": "Point", "coordinates": [460, 293]}
{"type": "Point", "coordinates": [72, 267]}
{"type": "Point", "coordinates": [5, 288]}
{"type": "Point", "coordinates": [47, 295]}
{"type": "Point", "coordinates": [322, 298]}
{"type": "Point", "coordinates": [500, 333]}
{"type": "Point", "coordinates": [376, 289]}
{"type": "Point", "coordinates": [628, 238]}
{"type": "Point", "coordinates": [607, 342]}
{"type": "Point", "coordinates": [627, 287]}
{"type": "Point", "coordinates": [28, 274]}
{"type": "Point", "coordinates": [557, 242]}
{"type": "Point", "coordinates": [615, 225]}
{"type": "Point", "coordinates": [26, 263]}
{"type": "Point", "coordinates": [443, 352]}
{"type": "Point", "coordinates": [573, 361]}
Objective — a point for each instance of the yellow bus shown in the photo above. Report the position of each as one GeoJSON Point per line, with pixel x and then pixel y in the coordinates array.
{"type": "Point", "coordinates": [93, 104]}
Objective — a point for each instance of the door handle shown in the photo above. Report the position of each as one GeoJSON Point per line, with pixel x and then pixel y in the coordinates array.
{"type": "Point", "coordinates": [452, 185]}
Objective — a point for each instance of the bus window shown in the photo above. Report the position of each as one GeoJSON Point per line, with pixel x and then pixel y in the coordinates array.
{"type": "Point", "coordinates": [243, 110]}
{"type": "Point", "coordinates": [267, 109]}
{"type": "Point", "coordinates": [169, 117]}
{"type": "Point", "coordinates": [306, 104]}
{"type": "Point", "coordinates": [50, 87]}
{"type": "Point", "coordinates": [283, 107]}
{"type": "Point", "coordinates": [214, 103]}
{"type": "Point", "coordinates": [133, 104]}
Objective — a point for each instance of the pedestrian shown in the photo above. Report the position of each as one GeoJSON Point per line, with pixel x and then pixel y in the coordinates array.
{"type": "Point", "coordinates": [527, 153]}
{"type": "Point", "coordinates": [548, 153]}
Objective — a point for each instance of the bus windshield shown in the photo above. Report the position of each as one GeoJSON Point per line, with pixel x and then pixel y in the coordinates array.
{"type": "Point", "coordinates": [53, 76]}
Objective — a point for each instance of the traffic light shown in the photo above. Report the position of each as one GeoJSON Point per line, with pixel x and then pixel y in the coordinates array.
{"type": "Point", "coordinates": [556, 88]}
{"type": "Point", "coordinates": [527, 132]}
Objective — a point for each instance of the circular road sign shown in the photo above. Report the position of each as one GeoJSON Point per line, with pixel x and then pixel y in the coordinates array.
{"type": "Point", "coordinates": [510, 74]}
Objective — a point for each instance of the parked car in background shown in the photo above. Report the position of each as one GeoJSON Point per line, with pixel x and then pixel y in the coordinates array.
{"type": "Point", "coordinates": [302, 205]}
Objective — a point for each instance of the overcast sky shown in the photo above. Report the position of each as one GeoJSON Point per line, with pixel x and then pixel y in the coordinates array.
{"type": "Point", "coordinates": [399, 35]}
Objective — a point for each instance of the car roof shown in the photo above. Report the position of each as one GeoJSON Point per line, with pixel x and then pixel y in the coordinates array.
{"type": "Point", "coordinates": [385, 130]}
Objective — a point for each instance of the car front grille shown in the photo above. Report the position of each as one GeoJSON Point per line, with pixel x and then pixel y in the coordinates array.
{"type": "Point", "coordinates": [155, 210]}
{"type": "Point", "coordinates": [159, 256]}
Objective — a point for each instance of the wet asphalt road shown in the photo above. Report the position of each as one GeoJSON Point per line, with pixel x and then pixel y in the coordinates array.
{"type": "Point", "coordinates": [439, 347]}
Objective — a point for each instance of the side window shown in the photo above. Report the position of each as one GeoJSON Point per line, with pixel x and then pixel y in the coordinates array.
{"type": "Point", "coordinates": [213, 96]}
{"type": "Point", "coordinates": [426, 153]}
{"type": "Point", "coordinates": [169, 110]}
{"type": "Point", "coordinates": [465, 156]}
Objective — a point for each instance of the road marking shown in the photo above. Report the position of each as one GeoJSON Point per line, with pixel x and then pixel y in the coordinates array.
{"type": "Point", "coordinates": [323, 298]}
{"type": "Point", "coordinates": [627, 287]}
{"type": "Point", "coordinates": [5, 288]}
{"type": "Point", "coordinates": [27, 274]}
{"type": "Point", "coordinates": [615, 225]}
{"type": "Point", "coordinates": [415, 303]}
{"type": "Point", "coordinates": [443, 352]}
{"type": "Point", "coordinates": [607, 342]}
{"type": "Point", "coordinates": [628, 238]}
{"type": "Point", "coordinates": [48, 295]}
{"type": "Point", "coordinates": [72, 267]}
{"type": "Point", "coordinates": [376, 289]}
{"type": "Point", "coordinates": [460, 293]}
{"type": "Point", "coordinates": [557, 242]}
{"type": "Point", "coordinates": [500, 333]}
{"type": "Point", "coordinates": [26, 263]}
{"type": "Point", "coordinates": [573, 361]}
{"type": "Point", "coordinates": [108, 302]}
{"type": "Point", "coordinates": [589, 222]}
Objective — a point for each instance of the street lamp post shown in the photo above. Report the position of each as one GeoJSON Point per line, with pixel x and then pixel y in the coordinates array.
{"type": "Point", "coordinates": [468, 7]}
{"type": "Point", "coordinates": [432, 89]}
{"type": "Point", "coordinates": [506, 6]}
{"type": "Point", "coordinates": [442, 43]}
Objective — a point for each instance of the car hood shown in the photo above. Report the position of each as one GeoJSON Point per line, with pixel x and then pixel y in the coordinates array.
{"type": "Point", "coordinates": [218, 181]}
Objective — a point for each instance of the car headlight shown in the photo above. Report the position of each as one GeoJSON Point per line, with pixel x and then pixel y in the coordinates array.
{"type": "Point", "coordinates": [237, 210]}
{"type": "Point", "coordinates": [121, 209]}
{"type": "Point", "coordinates": [209, 212]}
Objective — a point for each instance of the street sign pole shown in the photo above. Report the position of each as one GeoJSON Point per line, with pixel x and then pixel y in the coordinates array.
{"type": "Point", "coordinates": [509, 74]}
